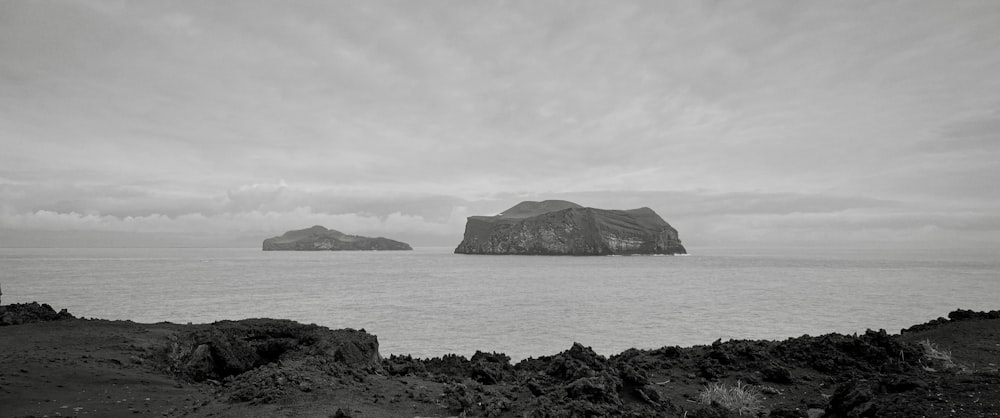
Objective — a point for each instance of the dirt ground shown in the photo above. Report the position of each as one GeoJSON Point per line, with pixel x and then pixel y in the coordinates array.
{"type": "Point", "coordinates": [88, 368]}
{"type": "Point", "coordinates": [55, 365]}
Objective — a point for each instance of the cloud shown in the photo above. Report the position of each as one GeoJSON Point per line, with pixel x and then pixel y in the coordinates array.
{"type": "Point", "coordinates": [257, 211]}
{"type": "Point", "coordinates": [238, 224]}
{"type": "Point", "coordinates": [979, 134]}
{"type": "Point", "coordinates": [884, 229]}
{"type": "Point", "coordinates": [388, 116]}
{"type": "Point", "coordinates": [684, 204]}
{"type": "Point", "coordinates": [783, 219]}
{"type": "Point", "coordinates": [255, 196]}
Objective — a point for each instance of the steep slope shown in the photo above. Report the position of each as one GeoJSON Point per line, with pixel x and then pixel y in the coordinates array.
{"type": "Point", "coordinates": [556, 227]}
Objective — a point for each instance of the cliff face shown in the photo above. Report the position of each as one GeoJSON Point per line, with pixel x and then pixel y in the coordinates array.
{"type": "Point", "coordinates": [565, 228]}
{"type": "Point", "coordinates": [319, 238]}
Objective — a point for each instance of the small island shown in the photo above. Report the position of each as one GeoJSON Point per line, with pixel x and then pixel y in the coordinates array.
{"type": "Point", "coordinates": [318, 238]}
{"type": "Point", "coordinates": [559, 227]}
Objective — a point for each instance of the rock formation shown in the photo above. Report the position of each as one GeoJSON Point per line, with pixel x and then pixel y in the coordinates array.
{"type": "Point", "coordinates": [229, 348]}
{"type": "Point", "coordinates": [558, 227]}
{"type": "Point", "coordinates": [274, 367]}
{"type": "Point", "coordinates": [319, 238]}
{"type": "Point", "coordinates": [26, 313]}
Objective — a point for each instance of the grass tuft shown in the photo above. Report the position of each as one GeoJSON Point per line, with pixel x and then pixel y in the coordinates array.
{"type": "Point", "coordinates": [941, 357]}
{"type": "Point", "coordinates": [739, 398]}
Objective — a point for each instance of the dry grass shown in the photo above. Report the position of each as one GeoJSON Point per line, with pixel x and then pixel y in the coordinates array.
{"type": "Point", "coordinates": [942, 357]}
{"type": "Point", "coordinates": [739, 398]}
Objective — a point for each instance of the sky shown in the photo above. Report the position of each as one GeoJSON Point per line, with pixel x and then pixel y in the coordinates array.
{"type": "Point", "coordinates": [870, 124]}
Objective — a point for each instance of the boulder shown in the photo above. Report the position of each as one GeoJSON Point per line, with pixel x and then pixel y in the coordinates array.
{"type": "Point", "coordinates": [229, 348]}
{"type": "Point", "coordinates": [26, 313]}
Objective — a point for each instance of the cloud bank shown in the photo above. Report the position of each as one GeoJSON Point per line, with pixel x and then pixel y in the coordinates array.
{"type": "Point", "coordinates": [781, 122]}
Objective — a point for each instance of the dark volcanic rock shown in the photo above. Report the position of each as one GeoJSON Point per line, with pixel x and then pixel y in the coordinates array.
{"type": "Point", "coordinates": [954, 316]}
{"type": "Point", "coordinates": [25, 313]}
{"type": "Point", "coordinates": [264, 367]}
{"type": "Point", "coordinates": [556, 227]}
{"type": "Point", "coordinates": [319, 238]}
{"type": "Point", "coordinates": [229, 348]}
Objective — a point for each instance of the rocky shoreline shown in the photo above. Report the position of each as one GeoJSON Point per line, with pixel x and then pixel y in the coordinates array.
{"type": "Point", "coordinates": [54, 364]}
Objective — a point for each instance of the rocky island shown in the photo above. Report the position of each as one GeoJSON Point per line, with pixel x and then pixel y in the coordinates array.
{"type": "Point", "coordinates": [319, 238]}
{"type": "Point", "coordinates": [54, 364]}
{"type": "Point", "coordinates": [559, 227]}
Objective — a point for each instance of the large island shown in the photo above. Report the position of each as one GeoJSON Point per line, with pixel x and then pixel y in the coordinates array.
{"type": "Point", "coordinates": [558, 227]}
{"type": "Point", "coordinates": [319, 238]}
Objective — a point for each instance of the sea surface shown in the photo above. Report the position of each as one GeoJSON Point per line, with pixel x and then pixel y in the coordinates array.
{"type": "Point", "coordinates": [429, 302]}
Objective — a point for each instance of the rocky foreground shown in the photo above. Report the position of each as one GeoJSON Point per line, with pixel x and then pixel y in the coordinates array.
{"type": "Point", "coordinates": [52, 364]}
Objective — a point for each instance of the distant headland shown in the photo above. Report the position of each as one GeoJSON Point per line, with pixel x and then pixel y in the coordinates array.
{"type": "Point", "coordinates": [318, 238]}
{"type": "Point", "coordinates": [559, 227]}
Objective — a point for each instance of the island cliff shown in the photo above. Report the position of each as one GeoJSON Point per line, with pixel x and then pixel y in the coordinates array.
{"type": "Point", "coordinates": [319, 238]}
{"type": "Point", "coordinates": [558, 227]}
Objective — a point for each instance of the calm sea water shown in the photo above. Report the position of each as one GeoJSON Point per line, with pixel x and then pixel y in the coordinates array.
{"type": "Point", "coordinates": [430, 302]}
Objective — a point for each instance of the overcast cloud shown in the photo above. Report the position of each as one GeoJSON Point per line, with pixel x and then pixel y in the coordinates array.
{"type": "Point", "coordinates": [768, 122]}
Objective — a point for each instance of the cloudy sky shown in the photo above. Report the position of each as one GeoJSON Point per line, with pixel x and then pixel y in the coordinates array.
{"type": "Point", "coordinates": [193, 123]}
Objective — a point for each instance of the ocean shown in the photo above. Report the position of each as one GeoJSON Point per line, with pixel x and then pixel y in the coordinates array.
{"type": "Point", "coordinates": [430, 302]}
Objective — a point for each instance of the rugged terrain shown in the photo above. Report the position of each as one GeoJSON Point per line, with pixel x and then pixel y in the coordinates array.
{"type": "Point", "coordinates": [557, 227]}
{"type": "Point", "coordinates": [318, 238]}
{"type": "Point", "coordinates": [52, 364]}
